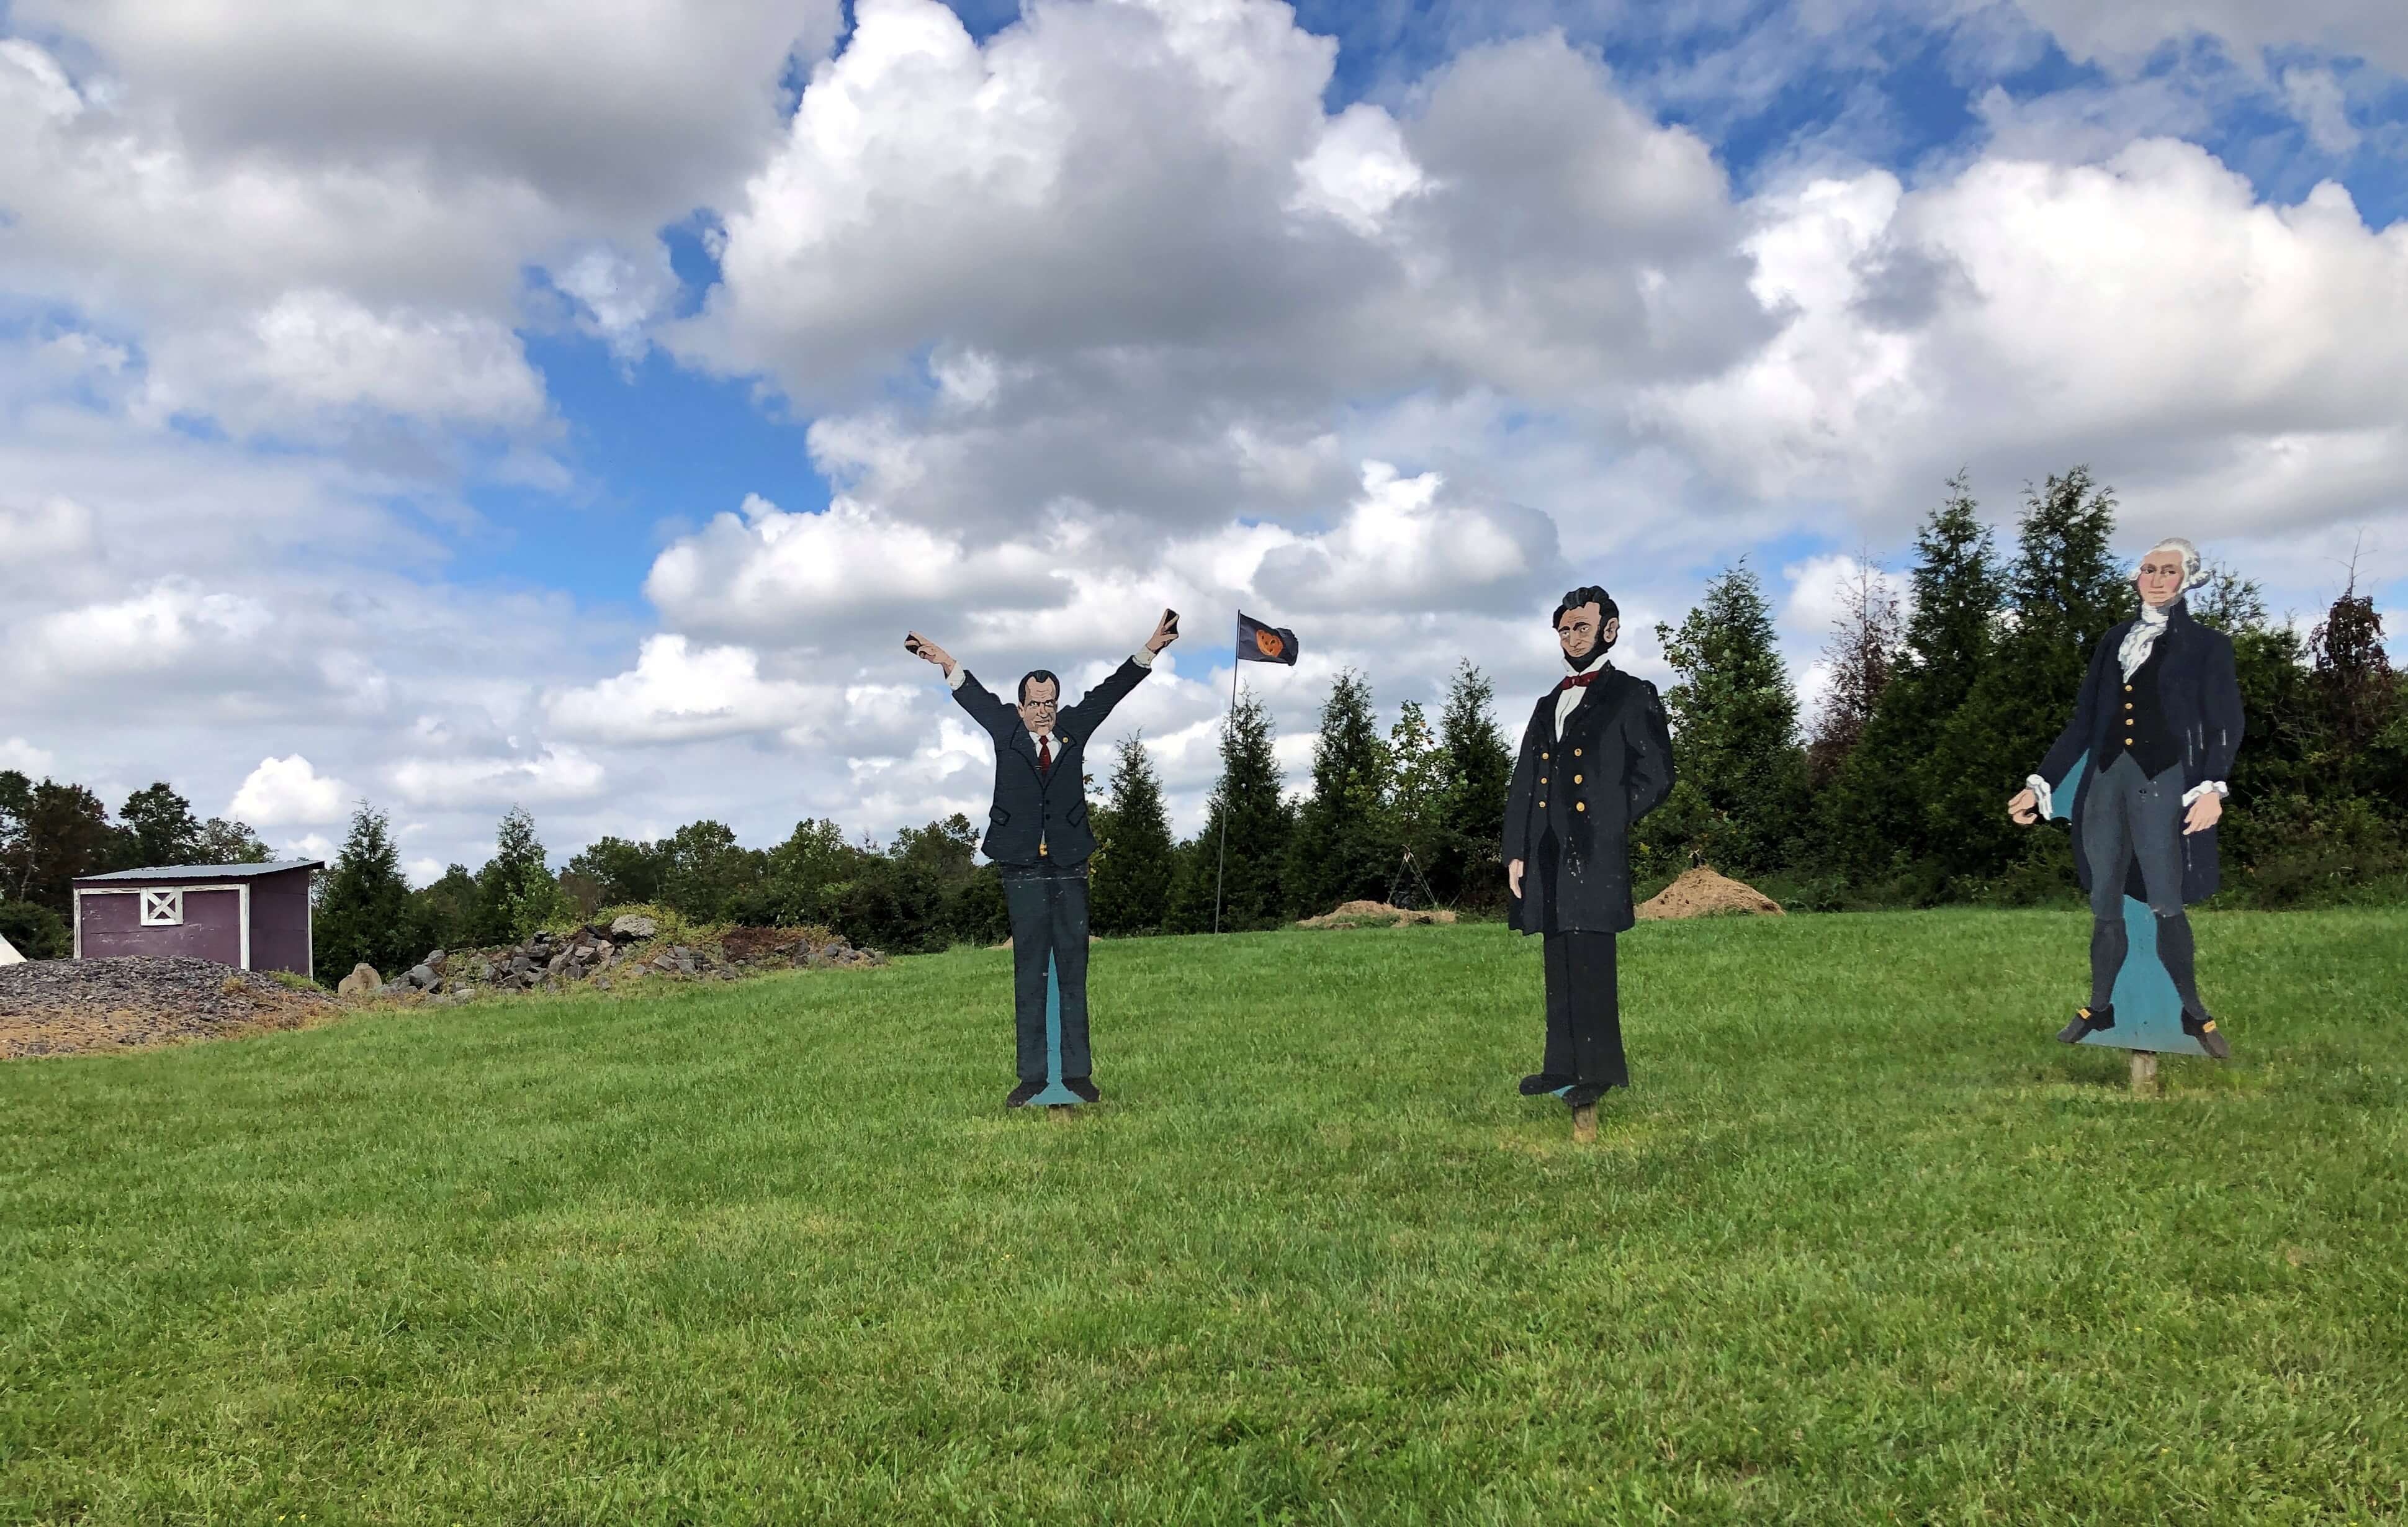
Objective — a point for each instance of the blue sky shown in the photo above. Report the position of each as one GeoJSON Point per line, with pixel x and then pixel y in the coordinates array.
{"type": "Point", "coordinates": [389, 414]}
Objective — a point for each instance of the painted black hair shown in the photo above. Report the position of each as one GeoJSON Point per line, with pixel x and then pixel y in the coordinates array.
{"type": "Point", "coordinates": [1586, 594]}
{"type": "Point", "coordinates": [1038, 675]}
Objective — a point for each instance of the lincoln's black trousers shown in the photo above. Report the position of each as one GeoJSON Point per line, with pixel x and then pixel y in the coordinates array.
{"type": "Point", "coordinates": [1584, 995]}
{"type": "Point", "coordinates": [1048, 903]}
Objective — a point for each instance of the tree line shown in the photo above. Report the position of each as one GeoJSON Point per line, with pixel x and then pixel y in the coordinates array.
{"type": "Point", "coordinates": [1892, 795]}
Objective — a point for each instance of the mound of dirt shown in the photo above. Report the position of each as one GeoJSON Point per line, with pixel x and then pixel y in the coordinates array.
{"type": "Point", "coordinates": [1703, 893]}
{"type": "Point", "coordinates": [75, 1006]}
{"type": "Point", "coordinates": [1373, 914]}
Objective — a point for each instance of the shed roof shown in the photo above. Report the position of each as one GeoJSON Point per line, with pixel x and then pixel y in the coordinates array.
{"type": "Point", "coordinates": [205, 872]}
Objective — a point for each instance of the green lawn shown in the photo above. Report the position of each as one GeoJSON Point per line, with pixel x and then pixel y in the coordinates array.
{"type": "Point", "coordinates": [1863, 1243]}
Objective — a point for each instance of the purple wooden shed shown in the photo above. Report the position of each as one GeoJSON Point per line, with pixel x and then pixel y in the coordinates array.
{"type": "Point", "coordinates": [253, 916]}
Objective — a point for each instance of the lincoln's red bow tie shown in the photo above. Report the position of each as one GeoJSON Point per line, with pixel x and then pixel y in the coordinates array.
{"type": "Point", "coordinates": [1579, 681]}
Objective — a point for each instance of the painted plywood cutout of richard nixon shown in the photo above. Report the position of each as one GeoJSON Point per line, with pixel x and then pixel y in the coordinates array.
{"type": "Point", "coordinates": [1597, 755]}
{"type": "Point", "coordinates": [1039, 838]}
{"type": "Point", "coordinates": [2145, 758]}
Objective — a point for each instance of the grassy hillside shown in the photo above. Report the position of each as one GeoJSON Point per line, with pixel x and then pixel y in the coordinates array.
{"type": "Point", "coordinates": [1862, 1244]}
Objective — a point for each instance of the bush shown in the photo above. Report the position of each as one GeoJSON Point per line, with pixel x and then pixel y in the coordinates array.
{"type": "Point", "coordinates": [36, 933]}
{"type": "Point", "coordinates": [976, 912]}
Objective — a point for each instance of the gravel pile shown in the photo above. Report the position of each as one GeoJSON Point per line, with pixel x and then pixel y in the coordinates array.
{"type": "Point", "coordinates": [73, 1006]}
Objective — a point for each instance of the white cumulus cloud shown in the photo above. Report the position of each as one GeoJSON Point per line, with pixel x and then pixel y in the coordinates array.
{"type": "Point", "coordinates": [288, 792]}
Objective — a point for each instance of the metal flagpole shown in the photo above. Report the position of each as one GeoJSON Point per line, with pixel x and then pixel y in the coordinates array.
{"type": "Point", "coordinates": [1224, 868]}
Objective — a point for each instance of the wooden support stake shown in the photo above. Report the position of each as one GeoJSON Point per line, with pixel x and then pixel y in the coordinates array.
{"type": "Point", "coordinates": [2144, 1072]}
{"type": "Point", "coordinates": [1585, 1125]}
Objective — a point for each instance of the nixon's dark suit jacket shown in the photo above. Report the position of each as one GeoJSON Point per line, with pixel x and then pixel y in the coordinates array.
{"type": "Point", "coordinates": [1613, 766]}
{"type": "Point", "coordinates": [1027, 811]}
{"type": "Point", "coordinates": [2200, 697]}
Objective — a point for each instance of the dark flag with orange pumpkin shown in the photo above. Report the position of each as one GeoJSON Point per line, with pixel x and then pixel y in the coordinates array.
{"type": "Point", "coordinates": [1261, 643]}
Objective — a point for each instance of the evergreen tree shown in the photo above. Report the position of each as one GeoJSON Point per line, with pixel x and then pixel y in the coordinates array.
{"type": "Point", "coordinates": [516, 893]}
{"type": "Point", "coordinates": [363, 912]}
{"type": "Point", "coordinates": [2065, 589]}
{"type": "Point", "coordinates": [1417, 797]}
{"type": "Point", "coordinates": [1734, 718]}
{"type": "Point", "coordinates": [1248, 805]}
{"type": "Point", "coordinates": [1876, 812]}
{"type": "Point", "coordinates": [1132, 879]}
{"type": "Point", "coordinates": [1477, 768]}
{"type": "Point", "coordinates": [159, 827]}
{"type": "Point", "coordinates": [1342, 848]}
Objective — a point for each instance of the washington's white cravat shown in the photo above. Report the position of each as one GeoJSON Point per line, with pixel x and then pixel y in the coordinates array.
{"type": "Point", "coordinates": [2141, 639]}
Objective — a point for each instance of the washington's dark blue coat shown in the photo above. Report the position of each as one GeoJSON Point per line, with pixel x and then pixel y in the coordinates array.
{"type": "Point", "coordinates": [2200, 693]}
{"type": "Point", "coordinates": [1026, 812]}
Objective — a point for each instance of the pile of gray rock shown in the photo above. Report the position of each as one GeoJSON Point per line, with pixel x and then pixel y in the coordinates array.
{"type": "Point", "coordinates": [630, 946]}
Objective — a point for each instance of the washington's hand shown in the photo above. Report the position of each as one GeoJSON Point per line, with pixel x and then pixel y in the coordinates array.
{"type": "Point", "coordinates": [1513, 877]}
{"type": "Point", "coordinates": [2023, 807]}
{"type": "Point", "coordinates": [922, 647]}
{"type": "Point", "coordinates": [2203, 812]}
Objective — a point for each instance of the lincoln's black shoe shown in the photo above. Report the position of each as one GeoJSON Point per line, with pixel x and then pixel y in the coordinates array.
{"type": "Point", "coordinates": [2088, 1021]}
{"type": "Point", "coordinates": [1542, 1083]}
{"type": "Point", "coordinates": [2203, 1030]}
{"type": "Point", "coordinates": [1019, 1095]}
{"type": "Point", "coordinates": [1084, 1087]}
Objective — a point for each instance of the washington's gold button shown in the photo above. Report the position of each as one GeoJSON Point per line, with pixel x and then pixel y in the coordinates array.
{"type": "Point", "coordinates": [1543, 779]}
{"type": "Point", "coordinates": [1542, 754]}
{"type": "Point", "coordinates": [1580, 805]}
{"type": "Point", "coordinates": [1575, 753]}
{"type": "Point", "coordinates": [1543, 805]}
{"type": "Point", "coordinates": [1576, 779]}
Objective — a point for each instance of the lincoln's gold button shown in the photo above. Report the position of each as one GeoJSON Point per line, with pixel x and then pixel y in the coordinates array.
{"type": "Point", "coordinates": [2128, 689]}
{"type": "Point", "coordinates": [1575, 753]}
{"type": "Point", "coordinates": [1576, 779]}
{"type": "Point", "coordinates": [2128, 705]}
{"type": "Point", "coordinates": [1580, 805]}
{"type": "Point", "coordinates": [1543, 779]}
{"type": "Point", "coordinates": [1542, 754]}
{"type": "Point", "coordinates": [1543, 805]}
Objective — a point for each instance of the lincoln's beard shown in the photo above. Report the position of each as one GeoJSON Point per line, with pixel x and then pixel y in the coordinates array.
{"type": "Point", "coordinates": [1589, 659]}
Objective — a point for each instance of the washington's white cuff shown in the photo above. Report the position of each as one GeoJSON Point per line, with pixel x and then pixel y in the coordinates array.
{"type": "Point", "coordinates": [2196, 791]}
{"type": "Point", "coordinates": [2041, 793]}
{"type": "Point", "coordinates": [1141, 657]}
{"type": "Point", "coordinates": [954, 680]}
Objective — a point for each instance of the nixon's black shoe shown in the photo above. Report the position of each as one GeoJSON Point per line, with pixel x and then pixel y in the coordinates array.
{"type": "Point", "coordinates": [1019, 1095]}
{"type": "Point", "coordinates": [1084, 1088]}
{"type": "Point", "coordinates": [2088, 1021]}
{"type": "Point", "coordinates": [1542, 1083]}
{"type": "Point", "coordinates": [2203, 1030]}
{"type": "Point", "coordinates": [1584, 1096]}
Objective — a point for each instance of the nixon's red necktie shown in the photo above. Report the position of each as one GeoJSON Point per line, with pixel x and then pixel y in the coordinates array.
{"type": "Point", "coordinates": [1045, 754]}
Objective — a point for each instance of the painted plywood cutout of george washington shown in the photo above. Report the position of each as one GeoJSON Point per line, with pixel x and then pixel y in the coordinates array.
{"type": "Point", "coordinates": [1596, 756]}
{"type": "Point", "coordinates": [2152, 736]}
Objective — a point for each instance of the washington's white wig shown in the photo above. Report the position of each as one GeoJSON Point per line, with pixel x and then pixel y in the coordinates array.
{"type": "Point", "coordinates": [2193, 567]}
